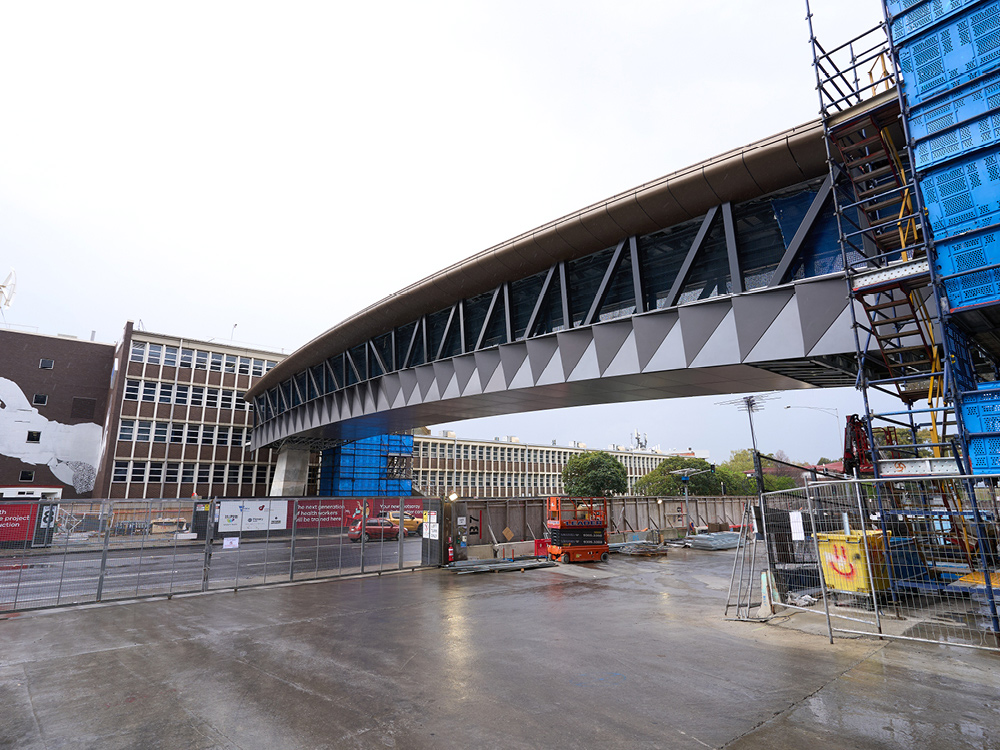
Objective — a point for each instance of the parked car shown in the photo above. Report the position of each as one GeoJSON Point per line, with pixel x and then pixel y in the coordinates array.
{"type": "Point", "coordinates": [376, 528]}
{"type": "Point", "coordinates": [411, 524]}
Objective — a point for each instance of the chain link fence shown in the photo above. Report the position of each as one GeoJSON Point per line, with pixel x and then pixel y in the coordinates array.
{"type": "Point", "coordinates": [899, 558]}
{"type": "Point", "coordinates": [71, 552]}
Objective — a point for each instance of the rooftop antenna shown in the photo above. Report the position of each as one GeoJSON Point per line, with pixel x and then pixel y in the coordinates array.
{"type": "Point", "coordinates": [750, 404]}
{"type": "Point", "coordinates": [7, 289]}
{"type": "Point", "coordinates": [7, 292]}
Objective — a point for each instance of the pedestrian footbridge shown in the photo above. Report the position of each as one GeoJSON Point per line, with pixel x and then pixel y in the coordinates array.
{"type": "Point", "coordinates": [725, 277]}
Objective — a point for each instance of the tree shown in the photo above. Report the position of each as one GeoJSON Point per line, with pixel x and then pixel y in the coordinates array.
{"type": "Point", "coordinates": [663, 482]}
{"type": "Point", "coordinates": [594, 474]}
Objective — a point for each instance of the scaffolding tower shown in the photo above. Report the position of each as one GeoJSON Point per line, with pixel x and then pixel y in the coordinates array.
{"type": "Point", "coordinates": [910, 114]}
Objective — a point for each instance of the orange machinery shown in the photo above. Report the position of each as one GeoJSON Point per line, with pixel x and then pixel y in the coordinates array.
{"type": "Point", "coordinates": [578, 529]}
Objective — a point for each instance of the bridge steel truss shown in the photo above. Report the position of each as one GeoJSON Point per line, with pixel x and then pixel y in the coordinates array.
{"type": "Point", "coordinates": [738, 289]}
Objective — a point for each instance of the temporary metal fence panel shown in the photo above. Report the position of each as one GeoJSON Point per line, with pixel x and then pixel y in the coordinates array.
{"type": "Point", "coordinates": [78, 552]}
{"type": "Point", "coordinates": [901, 558]}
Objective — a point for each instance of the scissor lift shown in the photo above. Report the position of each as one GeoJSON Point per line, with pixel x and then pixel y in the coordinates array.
{"type": "Point", "coordinates": [578, 529]}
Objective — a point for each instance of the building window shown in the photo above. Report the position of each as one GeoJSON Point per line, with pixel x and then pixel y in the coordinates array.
{"type": "Point", "coordinates": [160, 432]}
{"type": "Point", "coordinates": [176, 433]}
{"type": "Point", "coordinates": [181, 395]}
{"type": "Point", "coordinates": [200, 360]}
{"type": "Point", "coordinates": [187, 473]}
{"type": "Point", "coordinates": [237, 438]}
{"type": "Point", "coordinates": [171, 476]}
{"type": "Point", "coordinates": [207, 434]}
{"type": "Point", "coordinates": [231, 363]}
{"type": "Point", "coordinates": [121, 472]}
{"type": "Point", "coordinates": [156, 471]}
{"type": "Point", "coordinates": [269, 365]}
{"type": "Point", "coordinates": [192, 434]}
{"type": "Point", "coordinates": [46, 364]}
{"type": "Point", "coordinates": [216, 365]}
{"type": "Point", "coordinates": [166, 393]}
{"type": "Point", "coordinates": [244, 366]}
{"type": "Point", "coordinates": [170, 356]}
{"type": "Point", "coordinates": [40, 399]}
{"type": "Point", "coordinates": [187, 357]}
{"type": "Point", "coordinates": [138, 471]}
{"type": "Point", "coordinates": [219, 474]}
{"type": "Point", "coordinates": [131, 390]}
{"type": "Point", "coordinates": [142, 431]}
{"type": "Point", "coordinates": [197, 395]}
{"type": "Point", "coordinates": [34, 436]}
{"type": "Point", "coordinates": [226, 400]}
{"type": "Point", "coordinates": [138, 351]}
{"type": "Point", "coordinates": [222, 436]}
{"type": "Point", "coordinates": [233, 474]}
{"type": "Point", "coordinates": [148, 391]}
{"type": "Point", "coordinates": [212, 398]}
{"type": "Point", "coordinates": [27, 476]}
{"type": "Point", "coordinates": [204, 473]}
{"type": "Point", "coordinates": [155, 350]}
{"type": "Point", "coordinates": [258, 368]}
{"type": "Point", "coordinates": [126, 430]}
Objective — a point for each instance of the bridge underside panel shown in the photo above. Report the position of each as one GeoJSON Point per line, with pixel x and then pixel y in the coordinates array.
{"type": "Point", "coordinates": [773, 339]}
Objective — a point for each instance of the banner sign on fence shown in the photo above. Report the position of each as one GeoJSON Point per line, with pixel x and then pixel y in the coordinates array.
{"type": "Point", "coordinates": [253, 515]}
{"type": "Point", "coordinates": [17, 522]}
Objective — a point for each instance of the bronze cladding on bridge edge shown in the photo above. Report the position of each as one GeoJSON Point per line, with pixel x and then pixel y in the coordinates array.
{"type": "Point", "coordinates": [754, 170]}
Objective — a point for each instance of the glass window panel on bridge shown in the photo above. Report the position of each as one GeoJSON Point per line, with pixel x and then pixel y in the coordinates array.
{"type": "Point", "coordinates": [660, 256]}
{"type": "Point", "coordinates": [584, 276]}
{"type": "Point", "coordinates": [709, 275]}
{"type": "Point", "coordinates": [523, 296]}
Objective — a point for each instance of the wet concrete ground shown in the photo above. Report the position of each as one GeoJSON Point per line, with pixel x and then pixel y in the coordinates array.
{"type": "Point", "coordinates": [630, 654]}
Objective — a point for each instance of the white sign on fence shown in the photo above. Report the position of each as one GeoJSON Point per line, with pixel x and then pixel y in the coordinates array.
{"type": "Point", "coordinates": [253, 515]}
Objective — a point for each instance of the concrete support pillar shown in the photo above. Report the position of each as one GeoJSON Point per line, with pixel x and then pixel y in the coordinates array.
{"type": "Point", "coordinates": [291, 472]}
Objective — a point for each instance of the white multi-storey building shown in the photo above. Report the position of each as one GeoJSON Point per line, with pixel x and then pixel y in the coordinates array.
{"type": "Point", "coordinates": [508, 468]}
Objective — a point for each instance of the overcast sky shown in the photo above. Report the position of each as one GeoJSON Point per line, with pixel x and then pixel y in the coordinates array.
{"type": "Point", "coordinates": [279, 166]}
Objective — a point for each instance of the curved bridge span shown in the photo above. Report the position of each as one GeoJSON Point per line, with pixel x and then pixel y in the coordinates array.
{"type": "Point", "coordinates": [726, 277]}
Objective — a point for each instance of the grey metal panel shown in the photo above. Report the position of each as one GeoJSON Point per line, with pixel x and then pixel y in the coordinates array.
{"type": "Point", "coordinates": [512, 356]}
{"type": "Point", "coordinates": [669, 355]}
{"type": "Point", "coordinates": [497, 382]}
{"type": "Point", "coordinates": [754, 313]}
{"type": "Point", "coordinates": [839, 338]}
{"type": "Point", "coordinates": [540, 353]}
{"type": "Point", "coordinates": [783, 338]}
{"type": "Point", "coordinates": [408, 382]}
{"type": "Point", "coordinates": [522, 377]}
{"type": "Point", "coordinates": [608, 339]}
{"type": "Point", "coordinates": [426, 381]}
{"type": "Point", "coordinates": [487, 362]}
{"type": "Point", "coordinates": [465, 369]}
{"type": "Point", "coordinates": [820, 303]}
{"type": "Point", "coordinates": [698, 323]}
{"type": "Point", "coordinates": [722, 347]}
{"type": "Point", "coordinates": [588, 367]}
{"type": "Point", "coordinates": [445, 374]}
{"type": "Point", "coordinates": [626, 361]}
{"type": "Point", "coordinates": [553, 372]}
{"type": "Point", "coordinates": [572, 345]}
{"type": "Point", "coordinates": [650, 330]}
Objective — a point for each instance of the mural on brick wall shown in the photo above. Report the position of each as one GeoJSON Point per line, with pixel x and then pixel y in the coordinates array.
{"type": "Point", "coordinates": [71, 451]}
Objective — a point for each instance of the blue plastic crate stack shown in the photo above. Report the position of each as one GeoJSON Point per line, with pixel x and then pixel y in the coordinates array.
{"type": "Point", "coordinates": [361, 468]}
{"type": "Point", "coordinates": [949, 57]}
